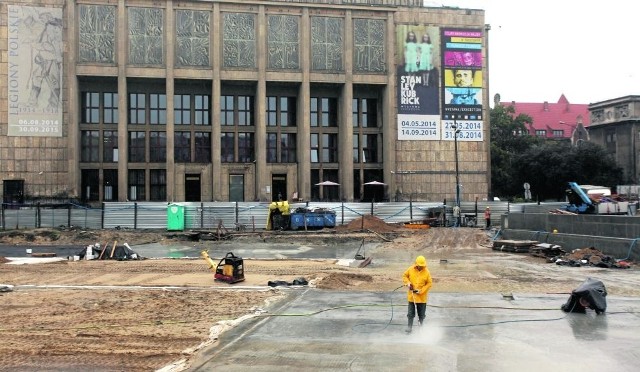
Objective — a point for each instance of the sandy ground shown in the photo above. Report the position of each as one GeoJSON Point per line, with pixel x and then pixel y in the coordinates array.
{"type": "Point", "coordinates": [143, 315]}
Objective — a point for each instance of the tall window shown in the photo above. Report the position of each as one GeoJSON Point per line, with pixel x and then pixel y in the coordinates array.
{"type": "Point", "coordinates": [370, 148]}
{"type": "Point", "coordinates": [324, 112]}
{"type": "Point", "coordinates": [324, 148]}
{"type": "Point", "coordinates": [192, 114]}
{"type": "Point", "coordinates": [236, 116]}
{"type": "Point", "coordinates": [137, 108]}
{"type": "Point", "coordinates": [182, 109]}
{"type": "Point", "coordinates": [272, 147]}
{"type": "Point", "coordinates": [137, 147]}
{"type": "Point", "coordinates": [110, 146]}
{"type": "Point", "coordinates": [366, 132]}
{"type": "Point", "coordinates": [281, 114]}
{"type": "Point", "coordinates": [136, 184]}
{"type": "Point", "coordinates": [329, 148]}
{"type": "Point", "coordinates": [91, 108]}
{"type": "Point", "coordinates": [90, 185]}
{"type": "Point", "coordinates": [281, 111]}
{"type": "Point", "coordinates": [157, 184]}
{"type": "Point", "coordinates": [110, 184]}
{"type": "Point", "coordinates": [315, 147]}
{"type": "Point", "coordinates": [98, 110]}
{"type": "Point", "coordinates": [157, 109]}
{"type": "Point", "coordinates": [356, 149]}
{"type": "Point", "coordinates": [110, 108]}
{"type": "Point", "coordinates": [245, 147]}
{"type": "Point", "coordinates": [245, 110]}
{"type": "Point", "coordinates": [365, 112]}
{"type": "Point", "coordinates": [90, 146]}
{"type": "Point", "coordinates": [157, 147]}
{"type": "Point", "coordinates": [182, 147]}
{"type": "Point", "coordinates": [203, 147]}
{"type": "Point", "coordinates": [227, 143]}
{"type": "Point", "coordinates": [288, 148]}
{"type": "Point", "coordinates": [202, 109]}
{"type": "Point", "coordinates": [227, 110]}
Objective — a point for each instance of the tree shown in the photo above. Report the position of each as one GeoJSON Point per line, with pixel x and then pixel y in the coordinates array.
{"type": "Point", "coordinates": [546, 164]}
{"type": "Point", "coordinates": [509, 137]}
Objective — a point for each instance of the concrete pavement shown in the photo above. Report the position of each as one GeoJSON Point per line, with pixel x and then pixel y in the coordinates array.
{"type": "Point", "coordinates": [361, 331]}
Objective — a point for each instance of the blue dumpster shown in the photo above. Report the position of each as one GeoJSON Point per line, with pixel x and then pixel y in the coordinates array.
{"type": "Point", "coordinates": [329, 219]}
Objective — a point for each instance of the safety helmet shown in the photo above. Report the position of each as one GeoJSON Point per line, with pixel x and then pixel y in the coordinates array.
{"type": "Point", "coordinates": [421, 261]}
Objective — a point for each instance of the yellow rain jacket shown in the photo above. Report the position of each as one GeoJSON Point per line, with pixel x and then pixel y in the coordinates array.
{"type": "Point", "coordinates": [421, 280]}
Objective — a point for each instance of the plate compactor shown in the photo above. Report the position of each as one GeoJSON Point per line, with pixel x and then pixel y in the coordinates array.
{"type": "Point", "coordinates": [230, 269]}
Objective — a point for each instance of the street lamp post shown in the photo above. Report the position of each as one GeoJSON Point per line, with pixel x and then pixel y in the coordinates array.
{"type": "Point", "coordinates": [456, 130]}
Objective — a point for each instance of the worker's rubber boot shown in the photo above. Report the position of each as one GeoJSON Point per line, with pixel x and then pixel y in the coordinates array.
{"type": "Point", "coordinates": [409, 326]}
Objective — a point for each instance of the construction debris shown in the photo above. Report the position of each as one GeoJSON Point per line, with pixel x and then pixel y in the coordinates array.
{"type": "Point", "coordinates": [115, 252]}
{"type": "Point", "coordinates": [589, 257]}
{"type": "Point", "coordinates": [547, 250]}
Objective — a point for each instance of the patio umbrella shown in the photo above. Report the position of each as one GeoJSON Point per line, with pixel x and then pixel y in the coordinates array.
{"type": "Point", "coordinates": [327, 183]}
{"type": "Point", "coordinates": [374, 183]}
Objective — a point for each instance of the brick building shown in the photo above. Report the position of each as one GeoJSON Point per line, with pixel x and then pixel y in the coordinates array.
{"type": "Point", "coordinates": [559, 120]}
{"type": "Point", "coordinates": [216, 100]}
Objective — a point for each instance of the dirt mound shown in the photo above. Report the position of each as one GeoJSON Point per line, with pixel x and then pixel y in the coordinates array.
{"type": "Point", "coordinates": [3, 260]}
{"type": "Point", "coordinates": [585, 254]}
{"type": "Point", "coordinates": [343, 280]}
{"type": "Point", "coordinates": [368, 222]}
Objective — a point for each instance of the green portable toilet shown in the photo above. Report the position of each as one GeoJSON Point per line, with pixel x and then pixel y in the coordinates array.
{"type": "Point", "coordinates": [175, 217]}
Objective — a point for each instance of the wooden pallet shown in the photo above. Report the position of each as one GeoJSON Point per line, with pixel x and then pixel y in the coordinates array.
{"type": "Point", "coordinates": [516, 246]}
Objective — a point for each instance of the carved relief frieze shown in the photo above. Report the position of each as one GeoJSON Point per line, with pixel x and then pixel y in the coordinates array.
{"type": "Point", "coordinates": [192, 38]}
{"type": "Point", "coordinates": [283, 42]}
{"type": "Point", "coordinates": [327, 43]}
{"type": "Point", "coordinates": [96, 33]}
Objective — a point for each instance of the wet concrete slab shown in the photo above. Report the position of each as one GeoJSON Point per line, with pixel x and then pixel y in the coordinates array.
{"type": "Point", "coordinates": [255, 250]}
{"type": "Point", "coordinates": [317, 330]}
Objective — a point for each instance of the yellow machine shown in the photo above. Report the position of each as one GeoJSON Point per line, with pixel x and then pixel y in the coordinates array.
{"type": "Point", "coordinates": [279, 215]}
{"type": "Point", "coordinates": [230, 269]}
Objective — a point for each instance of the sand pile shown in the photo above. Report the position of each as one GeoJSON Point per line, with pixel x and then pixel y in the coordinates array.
{"type": "Point", "coordinates": [368, 222]}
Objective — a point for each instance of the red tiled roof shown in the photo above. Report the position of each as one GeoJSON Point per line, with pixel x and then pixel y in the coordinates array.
{"type": "Point", "coordinates": [553, 116]}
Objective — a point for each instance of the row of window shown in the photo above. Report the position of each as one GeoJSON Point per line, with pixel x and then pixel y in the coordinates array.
{"type": "Point", "coordinates": [157, 188]}
{"type": "Point", "coordinates": [195, 109]}
{"type": "Point", "coordinates": [195, 147]}
{"type": "Point", "coordinates": [237, 142]}
{"type": "Point", "coordinates": [556, 133]}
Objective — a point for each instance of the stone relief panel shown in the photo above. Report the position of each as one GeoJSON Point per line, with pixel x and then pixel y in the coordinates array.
{"type": "Point", "coordinates": [96, 33]}
{"type": "Point", "coordinates": [283, 42]}
{"type": "Point", "coordinates": [146, 43]}
{"type": "Point", "coordinates": [622, 112]}
{"type": "Point", "coordinates": [327, 43]}
{"type": "Point", "coordinates": [369, 45]}
{"type": "Point", "coordinates": [192, 38]}
{"type": "Point", "coordinates": [239, 40]}
{"type": "Point", "coordinates": [597, 116]}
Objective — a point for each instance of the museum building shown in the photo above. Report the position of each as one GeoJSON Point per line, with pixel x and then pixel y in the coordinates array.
{"type": "Point", "coordinates": [215, 100]}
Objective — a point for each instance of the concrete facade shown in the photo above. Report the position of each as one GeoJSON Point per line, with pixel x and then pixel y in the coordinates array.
{"type": "Point", "coordinates": [615, 125]}
{"type": "Point", "coordinates": [157, 68]}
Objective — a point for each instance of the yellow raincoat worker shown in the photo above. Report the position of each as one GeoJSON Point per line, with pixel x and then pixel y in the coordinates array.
{"type": "Point", "coordinates": [417, 278]}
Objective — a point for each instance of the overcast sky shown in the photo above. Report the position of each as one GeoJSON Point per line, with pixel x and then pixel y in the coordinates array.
{"type": "Point", "coordinates": [540, 49]}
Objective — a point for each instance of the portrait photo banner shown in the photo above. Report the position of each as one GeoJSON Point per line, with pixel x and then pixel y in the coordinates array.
{"type": "Point", "coordinates": [462, 85]}
{"type": "Point", "coordinates": [418, 76]}
{"type": "Point", "coordinates": [34, 71]}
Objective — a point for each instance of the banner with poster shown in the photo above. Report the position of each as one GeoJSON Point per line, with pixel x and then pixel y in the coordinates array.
{"type": "Point", "coordinates": [418, 76]}
{"type": "Point", "coordinates": [462, 84]}
{"type": "Point", "coordinates": [34, 73]}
